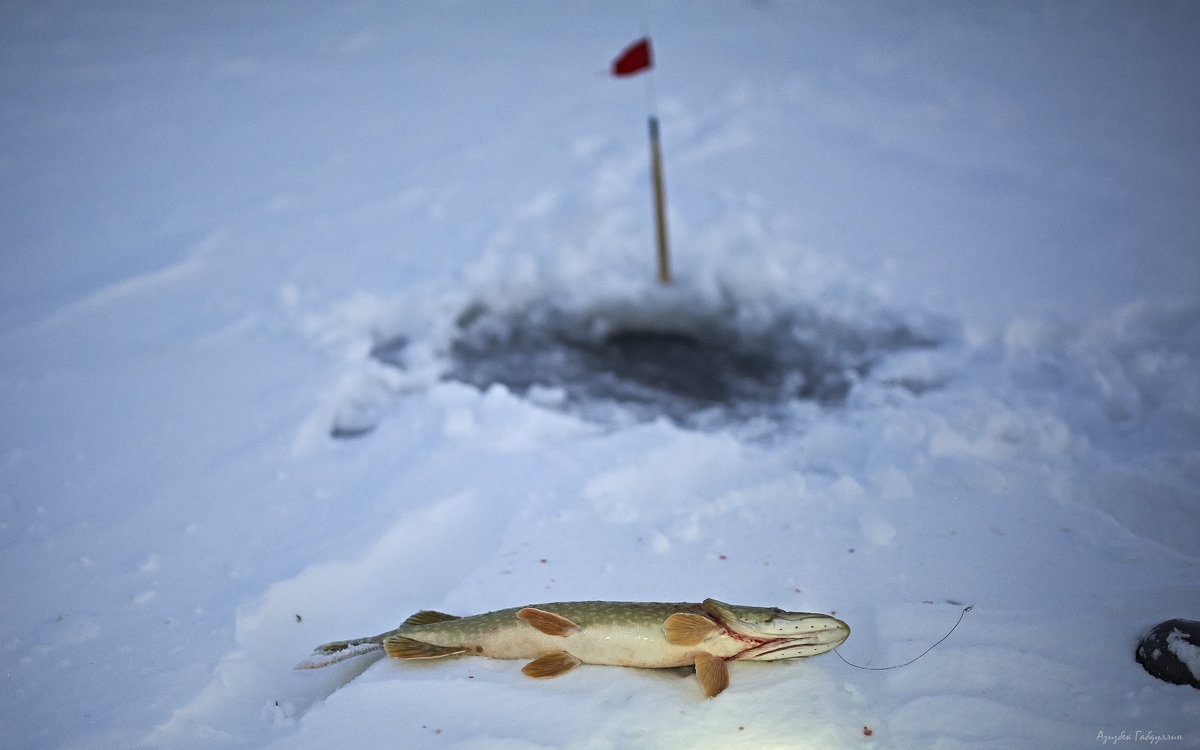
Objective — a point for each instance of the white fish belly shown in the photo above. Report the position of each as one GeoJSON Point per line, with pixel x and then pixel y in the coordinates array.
{"type": "Point", "coordinates": [623, 645]}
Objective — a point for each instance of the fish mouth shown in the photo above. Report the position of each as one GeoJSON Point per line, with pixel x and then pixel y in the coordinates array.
{"type": "Point", "coordinates": [785, 635]}
{"type": "Point", "coordinates": [810, 644]}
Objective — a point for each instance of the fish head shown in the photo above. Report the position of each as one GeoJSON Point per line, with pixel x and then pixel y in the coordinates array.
{"type": "Point", "coordinates": [772, 633]}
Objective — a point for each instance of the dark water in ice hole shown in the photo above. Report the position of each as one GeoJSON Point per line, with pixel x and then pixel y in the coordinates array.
{"type": "Point", "coordinates": [683, 368]}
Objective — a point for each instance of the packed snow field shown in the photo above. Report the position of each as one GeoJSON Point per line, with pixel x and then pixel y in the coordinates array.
{"type": "Point", "coordinates": [313, 317]}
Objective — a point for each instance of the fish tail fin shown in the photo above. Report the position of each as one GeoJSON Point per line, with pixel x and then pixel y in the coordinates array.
{"type": "Point", "coordinates": [338, 651]}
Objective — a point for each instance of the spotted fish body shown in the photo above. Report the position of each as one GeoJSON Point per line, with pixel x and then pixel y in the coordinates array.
{"type": "Point", "coordinates": [560, 636]}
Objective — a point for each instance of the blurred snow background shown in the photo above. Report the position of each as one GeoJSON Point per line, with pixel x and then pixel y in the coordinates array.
{"type": "Point", "coordinates": [228, 229]}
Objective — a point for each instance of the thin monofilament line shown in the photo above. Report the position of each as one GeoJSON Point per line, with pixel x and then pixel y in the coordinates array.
{"type": "Point", "coordinates": [966, 609]}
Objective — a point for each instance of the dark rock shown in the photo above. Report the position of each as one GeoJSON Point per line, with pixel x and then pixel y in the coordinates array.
{"type": "Point", "coordinates": [1171, 651]}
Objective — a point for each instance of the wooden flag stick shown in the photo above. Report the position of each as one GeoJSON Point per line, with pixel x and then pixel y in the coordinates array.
{"type": "Point", "coordinates": [660, 207]}
{"type": "Point", "coordinates": [634, 59]}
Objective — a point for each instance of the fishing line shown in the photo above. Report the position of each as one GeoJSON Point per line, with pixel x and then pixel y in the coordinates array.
{"type": "Point", "coordinates": [962, 614]}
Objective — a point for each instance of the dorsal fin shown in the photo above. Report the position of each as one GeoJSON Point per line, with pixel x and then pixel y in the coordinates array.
{"type": "Point", "coordinates": [712, 673]}
{"type": "Point", "coordinates": [551, 665]}
{"type": "Point", "coordinates": [548, 622]}
{"type": "Point", "coordinates": [428, 617]}
{"type": "Point", "coordinates": [406, 648]}
{"type": "Point", "coordinates": [687, 629]}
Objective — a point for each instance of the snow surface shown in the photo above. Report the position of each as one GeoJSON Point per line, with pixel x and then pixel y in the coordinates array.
{"type": "Point", "coordinates": [230, 229]}
{"type": "Point", "coordinates": [1188, 653]}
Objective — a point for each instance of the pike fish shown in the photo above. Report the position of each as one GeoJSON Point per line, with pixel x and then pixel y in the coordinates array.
{"type": "Point", "coordinates": [559, 637]}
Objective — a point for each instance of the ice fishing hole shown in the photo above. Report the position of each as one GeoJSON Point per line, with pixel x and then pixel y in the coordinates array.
{"type": "Point", "coordinates": [692, 363]}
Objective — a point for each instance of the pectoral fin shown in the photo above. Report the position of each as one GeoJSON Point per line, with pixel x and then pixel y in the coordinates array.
{"type": "Point", "coordinates": [407, 648]}
{"type": "Point", "coordinates": [687, 629]}
{"type": "Point", "coordinates": [551, 665]}
{"type": "Point", "coordinates": [548, 622]}
{"type": "Point", "coordinates": [712, 673]}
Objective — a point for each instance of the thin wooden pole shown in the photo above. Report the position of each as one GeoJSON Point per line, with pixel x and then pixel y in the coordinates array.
{"type": "Point", "coordinates": [660, 204]}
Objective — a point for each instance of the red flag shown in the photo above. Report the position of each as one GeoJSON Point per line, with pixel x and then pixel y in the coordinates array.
{"type": "Point", "coordinates": [636, 57]}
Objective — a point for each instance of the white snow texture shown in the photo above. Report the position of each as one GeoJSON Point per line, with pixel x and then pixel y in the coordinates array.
{"type": "Point", "coordinates": [302, 307]}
